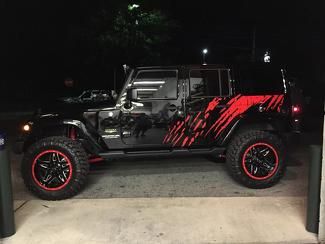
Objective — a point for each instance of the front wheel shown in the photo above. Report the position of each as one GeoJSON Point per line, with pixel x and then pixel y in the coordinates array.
{"type": "Point", "coordinates": [55, 168]}
{"type": "Point", "coordinates": [256, 159]}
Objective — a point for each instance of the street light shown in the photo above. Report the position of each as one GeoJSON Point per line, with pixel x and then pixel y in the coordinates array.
{"type": "Point", "coordinates": [133, 6]}
{"type": "Point", "coordinates": [204, 52]}
{"type": "Point", "coordinates": [267, 57]}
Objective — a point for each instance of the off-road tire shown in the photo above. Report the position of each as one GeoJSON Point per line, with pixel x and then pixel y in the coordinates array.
{"type": "Point", "coordinates": [78, 160]}
{"type": "Point", "coordinates": [240, 144]}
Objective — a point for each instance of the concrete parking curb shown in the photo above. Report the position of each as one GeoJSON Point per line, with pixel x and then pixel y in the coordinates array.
{"type": "Point", "coordinates": [164, 220]}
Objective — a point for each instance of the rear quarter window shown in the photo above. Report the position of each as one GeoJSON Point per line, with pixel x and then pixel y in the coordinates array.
{"type": "Point", "coordinates": [209, 82]}
{"type": "Point", "coordinates": [259, 81]}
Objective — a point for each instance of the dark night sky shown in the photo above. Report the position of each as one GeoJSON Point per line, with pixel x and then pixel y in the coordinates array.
{"type": "Point", "coordinates": [39, 48]}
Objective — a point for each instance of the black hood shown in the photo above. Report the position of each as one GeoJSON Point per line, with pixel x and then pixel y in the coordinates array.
{"type": "Point", "coordinates": [72, 106]}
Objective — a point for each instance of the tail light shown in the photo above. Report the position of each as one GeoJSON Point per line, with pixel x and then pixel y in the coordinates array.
{"type": "Point", "coordinates": [296, 109]}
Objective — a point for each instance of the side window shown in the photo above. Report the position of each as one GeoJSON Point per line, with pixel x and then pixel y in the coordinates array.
{"type": "Point", "coordinates": [260, 80]}
{"type": "Point", "coordinates": [161, 84]}
{"type": "Point", "coordinates": [209, 83]}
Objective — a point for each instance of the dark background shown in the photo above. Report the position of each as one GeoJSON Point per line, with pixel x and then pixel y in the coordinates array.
{"type": "Point", "coordinates": [44, 42]}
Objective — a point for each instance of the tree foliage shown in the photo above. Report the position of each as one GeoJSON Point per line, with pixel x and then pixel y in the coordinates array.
{"type": "Point", "coordinates": [136, 36]}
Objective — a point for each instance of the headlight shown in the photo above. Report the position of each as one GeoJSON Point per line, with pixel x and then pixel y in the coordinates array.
{"type": "Point", "coordinates": [27, 127]}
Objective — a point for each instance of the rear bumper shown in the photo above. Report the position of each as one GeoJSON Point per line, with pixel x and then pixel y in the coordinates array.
{"type": "Point", "coordinates": [296, 124]}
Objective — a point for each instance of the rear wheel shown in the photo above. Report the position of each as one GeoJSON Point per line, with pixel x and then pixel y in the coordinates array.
{"type": "Point", "coordinates": [256, 159]}
{"type": "Point", "coordinates": [55, 168]}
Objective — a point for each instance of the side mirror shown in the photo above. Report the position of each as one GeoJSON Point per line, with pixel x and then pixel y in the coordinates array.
{"type": "Point", "coordinates": [132, 94]}
{"type": "Point", "coordinates": [114, 94]}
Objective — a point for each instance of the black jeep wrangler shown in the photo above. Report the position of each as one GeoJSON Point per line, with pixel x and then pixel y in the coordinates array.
{"type": "Point", "coordinates": [241, 112]}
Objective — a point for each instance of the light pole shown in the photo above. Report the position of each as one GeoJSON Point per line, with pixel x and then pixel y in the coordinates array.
{"type": "Point", "coordinates": [204, 52]}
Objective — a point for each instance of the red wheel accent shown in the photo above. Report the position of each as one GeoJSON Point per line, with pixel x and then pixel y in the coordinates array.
{"type": "Point", "coordinates": [95, 160]}
{"type": "Point", "coordinates": [35, 178]}
{"type": "Point", "coordinates": [276, 165]}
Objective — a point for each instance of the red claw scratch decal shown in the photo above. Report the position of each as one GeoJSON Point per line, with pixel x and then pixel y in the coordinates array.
{"type": "Point", "coordinates": [232, 109]}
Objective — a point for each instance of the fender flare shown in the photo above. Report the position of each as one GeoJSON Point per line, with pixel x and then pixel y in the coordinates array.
{"type": "Point", "coordinates": [260, 124]}
{"type": "Point", "coordinates": [90, 142]}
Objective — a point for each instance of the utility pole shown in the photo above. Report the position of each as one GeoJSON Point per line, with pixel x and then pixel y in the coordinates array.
{"type": "Point", "coordinates": [253, 57]}
{"type": "Point", "coordinates": [114, 79]}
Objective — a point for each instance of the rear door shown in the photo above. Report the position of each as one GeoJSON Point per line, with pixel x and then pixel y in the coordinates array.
{"type": "Point", "coordinates": [207, 95]}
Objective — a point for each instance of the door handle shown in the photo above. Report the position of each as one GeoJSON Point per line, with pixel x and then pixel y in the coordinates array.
{"type": "Point", "coordinates": [172, 108]}
{"type": "Point", "coordinates": [261, 108]}
{"type": "Point", "coordinates": [223, 106]}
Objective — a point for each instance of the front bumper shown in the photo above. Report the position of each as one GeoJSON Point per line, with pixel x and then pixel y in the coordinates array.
{"type": "Point", "coordinates": [19, 145]}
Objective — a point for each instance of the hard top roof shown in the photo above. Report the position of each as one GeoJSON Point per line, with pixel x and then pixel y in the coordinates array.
{"type": "Point", "coordinates": [186, 66]}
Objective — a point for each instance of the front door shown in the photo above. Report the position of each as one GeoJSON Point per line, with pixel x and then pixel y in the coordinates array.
{"type": "Point", "coordinates": [159, 105]}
